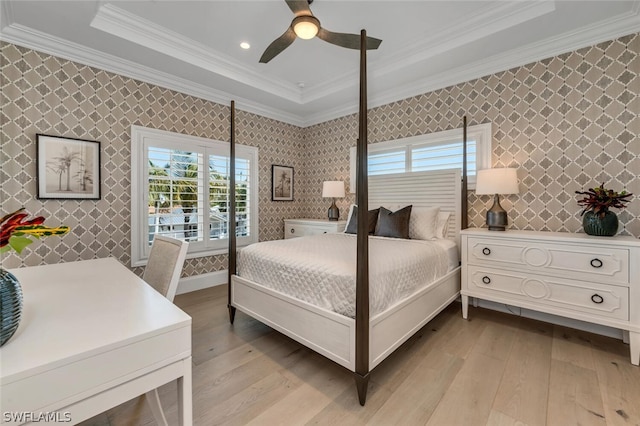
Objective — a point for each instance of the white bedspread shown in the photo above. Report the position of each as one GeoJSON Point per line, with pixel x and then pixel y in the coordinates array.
{"type": "Point", "coordinates": [321, 269]}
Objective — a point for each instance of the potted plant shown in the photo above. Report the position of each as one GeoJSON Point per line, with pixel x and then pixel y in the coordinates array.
{"type": "Point", "coordinates": [596, 217]}
{"type": "Point", "coordinates": [16, 234]}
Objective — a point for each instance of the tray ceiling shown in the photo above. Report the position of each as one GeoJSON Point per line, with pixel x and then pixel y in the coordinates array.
{"type": "Point", "coordinates": [194, 46]}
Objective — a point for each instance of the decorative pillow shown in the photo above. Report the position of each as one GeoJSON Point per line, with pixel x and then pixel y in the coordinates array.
{"type": "Point", "coordinates": [349, 215]}
{"type": "Point", "coordinates": [394, 224]}
{"type": "Point", "coordinates": [422, 225]}
{"type": "Point", "coordinates": [442, 224]}
{"type": "Point", "coordinates": [352, 225]}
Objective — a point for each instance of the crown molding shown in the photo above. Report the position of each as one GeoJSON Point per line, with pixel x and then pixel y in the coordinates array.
{"type": "Point", "coordinates": [36, 40]}
{"type": "Point", "coordinates": [610, 29]}
{"type": "Point", "coordinates": [130, 27]}
{"type": "Point", "coordinates": [613, 28]}
{"type": "Point", "coordinates": [6, 17]}
{"type": "Point", "coordinates": [490, 21]}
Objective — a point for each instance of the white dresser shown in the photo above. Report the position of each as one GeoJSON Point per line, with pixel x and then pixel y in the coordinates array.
{"type": "Point", "coordinates": [593, 279]}
{"type": "Point", "coordinates": [301, 227]}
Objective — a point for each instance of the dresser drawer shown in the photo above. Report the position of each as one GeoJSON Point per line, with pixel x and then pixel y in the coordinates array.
{"type": "Point", "coordinates": [584, 262]}
{"type": "Point", "coordinates": [602, 300]}
{"type": "Point", "coordinates": [292, 231]}
{"type": "Point", "coordinates": [301, 227]}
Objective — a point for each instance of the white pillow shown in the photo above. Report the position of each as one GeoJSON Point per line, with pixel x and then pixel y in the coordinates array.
{"type": "Point", "coordinates": [442, 224]}
{"type": "Point", "coordinates": [349, 217]}
{"type": "Point", "coordinates": [422, 224]}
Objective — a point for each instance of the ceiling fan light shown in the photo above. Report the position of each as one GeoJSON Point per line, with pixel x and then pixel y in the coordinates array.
{"type": "Point", "coordinates": [305, 27]}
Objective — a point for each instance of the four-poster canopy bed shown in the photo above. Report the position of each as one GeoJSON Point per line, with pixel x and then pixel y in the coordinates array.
{"type": "Point", "coordinates": [358, 342]}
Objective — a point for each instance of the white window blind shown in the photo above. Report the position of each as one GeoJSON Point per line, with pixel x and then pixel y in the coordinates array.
{"type": "Point", "coordinates": [434, 151]}
{"type": "Point", "coordinates": [180, 188]}
{"type": "Point", "coordinates": [385, 162]}
{"type": "Point", "coordinates": [443, 156]}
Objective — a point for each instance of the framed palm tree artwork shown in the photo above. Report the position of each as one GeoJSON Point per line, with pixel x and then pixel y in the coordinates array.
{"type": "Point", "coordinates": [67, 168]}
{"type": "Point", "coordinates": [281, 183]}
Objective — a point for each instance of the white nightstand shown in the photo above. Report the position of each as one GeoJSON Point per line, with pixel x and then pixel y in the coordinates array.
{"type": "Point", "coordinates": [301, 227]}
{"type": "Point", "coordinates": [593, 279]}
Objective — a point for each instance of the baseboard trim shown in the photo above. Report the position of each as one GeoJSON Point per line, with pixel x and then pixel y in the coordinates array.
{"type": "Point", "coordinates": [199, 282]}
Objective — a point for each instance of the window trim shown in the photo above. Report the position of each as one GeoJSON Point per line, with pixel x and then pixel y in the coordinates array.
{"type": "Point", "coordinates": [481, 133]}
{"type": "Point", "coordinates": [139, 219]}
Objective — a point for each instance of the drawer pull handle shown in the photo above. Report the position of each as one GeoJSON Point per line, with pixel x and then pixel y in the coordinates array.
{"type": "Point", "coordinates": [596, 298]}
{"type": "Point", "coordinates": [486, 280]}
{"type": "Point", "coordinates": [292, 230]}
{"type": "Point", "coordinates": [596, 263]}
{"type": "Point", "coordinates": [486, 251]}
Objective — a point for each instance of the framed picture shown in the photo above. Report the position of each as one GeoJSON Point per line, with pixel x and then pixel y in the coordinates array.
{"type": "Point", "coordinates": [281, 183]}
{"type": "Point", "coordinates": [67, 168]}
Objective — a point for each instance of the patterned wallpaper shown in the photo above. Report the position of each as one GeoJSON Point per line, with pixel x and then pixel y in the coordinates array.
{"type": "Point", "coordinates": [45, 94]}
{"type": "Point", "coordinates": [567, 123]}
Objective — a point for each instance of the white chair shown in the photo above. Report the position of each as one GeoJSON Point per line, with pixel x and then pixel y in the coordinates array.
{"type": "Point", "coordinates": [162, 272]}
{"type": "Point", "coordinates": [164, 266]}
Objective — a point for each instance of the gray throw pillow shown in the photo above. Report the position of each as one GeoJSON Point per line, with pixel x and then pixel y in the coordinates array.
{"type": "Point", "coordinates": [352, 226]}
{"type": "Point", "coordinates": [394, 224]}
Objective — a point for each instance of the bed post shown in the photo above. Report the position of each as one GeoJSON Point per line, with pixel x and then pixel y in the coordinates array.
{"type": "Point", "coordinates": [232, 212]}
{"type": "Point", "coordinates": [464, 198]}
{"type": "Point", "coordinates": [361, 373]}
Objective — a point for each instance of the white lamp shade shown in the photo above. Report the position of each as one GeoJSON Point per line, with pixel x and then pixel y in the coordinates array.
{"type": "Point", "coordinates": [497, 181]}
{"type": "Point", "coordinates": [333, 189]}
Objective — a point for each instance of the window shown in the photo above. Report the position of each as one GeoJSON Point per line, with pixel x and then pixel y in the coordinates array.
{"type": "Point", "coordinates": [180, 188]}
{"type": "Point", "coordinates": [434, 151]}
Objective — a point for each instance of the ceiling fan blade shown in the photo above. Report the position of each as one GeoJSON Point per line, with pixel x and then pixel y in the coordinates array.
{"type": "Point", "coordinates": [299, 7]}
{"type": "Point", "coordinates": [350, 41]}
{"type": "Point", "coordinates": [278, 45]}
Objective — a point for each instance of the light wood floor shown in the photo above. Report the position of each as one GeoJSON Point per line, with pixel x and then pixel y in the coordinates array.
{"type": "Point", "coordinates": [495, 369]}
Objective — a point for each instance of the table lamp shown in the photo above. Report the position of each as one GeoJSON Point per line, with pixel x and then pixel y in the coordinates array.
{"type": "Point", "coordinates": [495, 182]}
{"type": "Point", "coordinates": [333, 189]}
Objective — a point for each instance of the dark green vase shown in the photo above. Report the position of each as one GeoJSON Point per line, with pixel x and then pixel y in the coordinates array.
{"type": "Point", "coordinates": [606, 226]}
{"type": "Point", "coordinates": [10, 305]}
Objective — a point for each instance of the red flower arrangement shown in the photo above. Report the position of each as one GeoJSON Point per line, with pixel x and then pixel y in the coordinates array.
{"type": "Point", "coordinates": [599, 200]}
{"type": "Point", "coordinates": [15, 230]}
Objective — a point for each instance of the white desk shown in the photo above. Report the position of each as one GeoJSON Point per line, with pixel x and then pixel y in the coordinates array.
{"type": "Point", "coordinates": [92, 335]}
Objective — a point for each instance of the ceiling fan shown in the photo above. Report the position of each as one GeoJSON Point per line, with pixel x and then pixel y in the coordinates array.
{"type": "Point", "coordinates": [306, 26]}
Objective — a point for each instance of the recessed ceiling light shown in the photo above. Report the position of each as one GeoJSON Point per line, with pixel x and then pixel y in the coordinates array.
{"type": "Point", "coordinates": [245, 45]}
